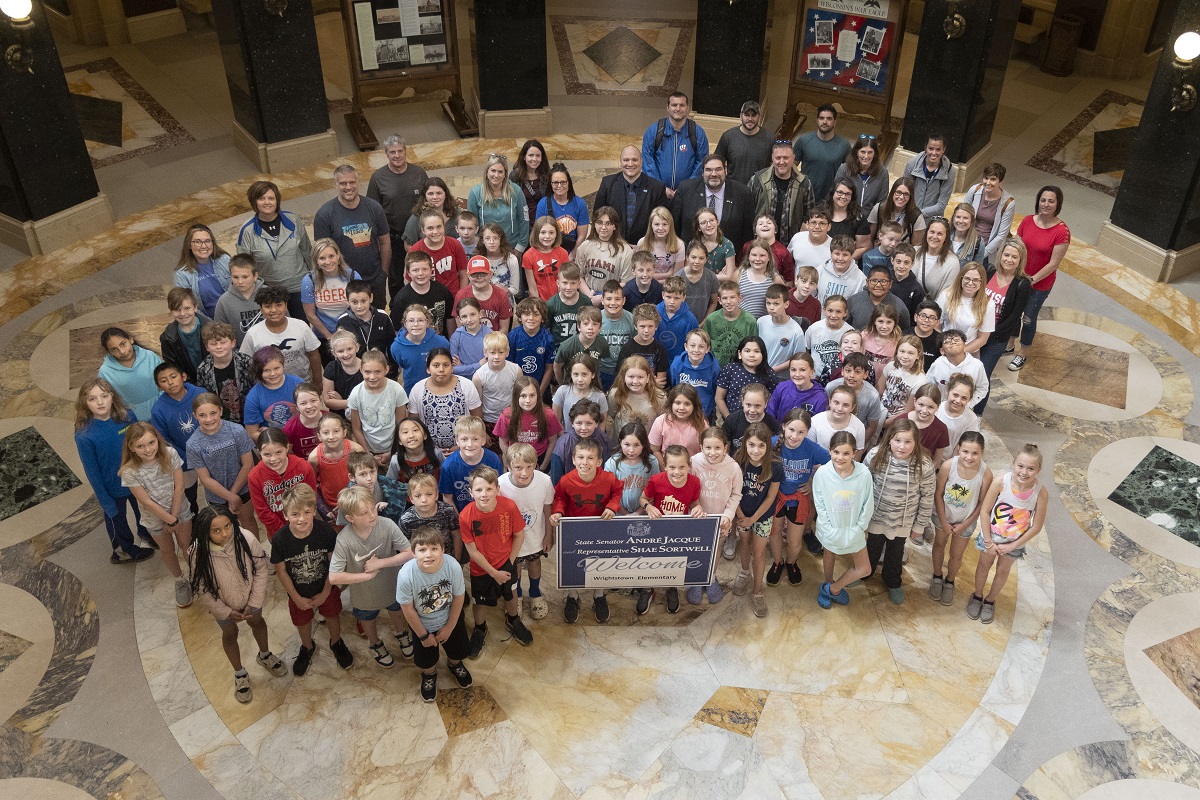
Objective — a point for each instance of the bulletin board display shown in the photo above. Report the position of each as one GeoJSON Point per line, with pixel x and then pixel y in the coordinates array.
{"type": "Point", "coordinates": [848, 51]}
{"type": "Point", "coordinates": [398, 44]}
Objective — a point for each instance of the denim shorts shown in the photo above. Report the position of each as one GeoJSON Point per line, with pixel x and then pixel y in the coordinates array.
{"type": "Point", "coordinates": [366, 615]}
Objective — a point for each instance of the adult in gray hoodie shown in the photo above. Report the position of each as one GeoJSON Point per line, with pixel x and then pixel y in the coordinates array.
{"type": "Point", "coordinates": [279, 243]}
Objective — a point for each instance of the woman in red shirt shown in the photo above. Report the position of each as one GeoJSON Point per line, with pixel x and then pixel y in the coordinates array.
{"type": "Point", "coordinates": [1046, 239]}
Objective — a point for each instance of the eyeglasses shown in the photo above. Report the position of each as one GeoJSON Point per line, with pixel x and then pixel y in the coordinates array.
{"type": "Point", "coordinates": [878, 281]}
{"type": "Point", "coordinates": [927, 316]}
{"type": "Point", "coordinates": [558, 183]}
{"type": "Point", "coordinates": [202, 241]}
{"type": "Point", "coordinates": [971, 280]}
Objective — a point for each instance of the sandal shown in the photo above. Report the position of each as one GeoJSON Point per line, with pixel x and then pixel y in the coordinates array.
{"type": "Point", "coordinates": [538, 608]}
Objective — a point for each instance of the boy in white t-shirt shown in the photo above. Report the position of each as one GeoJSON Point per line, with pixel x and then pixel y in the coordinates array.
{"type": "Point", "coordinates": [295, 338]}
{"type": "Point", "coordinates": [533, 493]}
{"type": "Point", "coordinates": [810, 248]}
{"type": "Point", "coordinates": [956, 359]}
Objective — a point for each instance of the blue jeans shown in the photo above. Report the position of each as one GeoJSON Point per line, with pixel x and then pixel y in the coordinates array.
{"type": "Point", "coordinates": [990, 355]}
{"type": "Point", "coordinates": [1029, 321]}
{"type": "Point", "coordinates": [119, 532]}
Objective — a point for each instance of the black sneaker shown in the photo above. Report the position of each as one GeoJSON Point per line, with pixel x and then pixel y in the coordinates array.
{"type": "Point", "coordinates": [303, 659]}
{"type": "Point", "coordinates": [672, 600]}
{"type": "Point", "coordinates": [341, 653]}
{"type": "Point", "coordinates": [643, 601]}
{"type": "Point", "coordinates": [478, 636]}
{"type": "Point", "coordinates": [774, 574]}
{"type": "Point", "coordinates": [518, 630]}
{"type": "Point", "coordinates": [793, 571]}
{"type": "Point", "coordinates": [429, 687]}
{"type": "Point", "coordinates": [461, 675]}
{"type": "Point", "coordinates": [600, 605]}
{"type": "Point", "coordinates": [813, 544]}
{"type": "Point", "coordinates": [571, 610]}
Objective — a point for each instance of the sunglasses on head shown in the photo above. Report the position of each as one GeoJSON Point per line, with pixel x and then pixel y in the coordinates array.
{"type": "Point", "coordinates": [869, 136]}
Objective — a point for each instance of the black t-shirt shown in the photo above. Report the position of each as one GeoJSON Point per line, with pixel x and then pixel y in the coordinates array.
{"type": "Point", "coordinates": [736, 423]}
{"type": "Point", "coordinates": [343, 383]}
{"type": "Point", "coordinates": [439, 300]}
{"type": "Point", "coordinates": [271, 228]}
{"type": "Point", "coordinates": [654, 352]}
{"type": "Point", "coordinates": [754, 491]}
{"type": "Point", "coordinates": [910, 291]}
{"type": "Point", "coordinates": [931, 345]}
{"type": "Point", "coordinates": [850, 226]}
{"type": "Point", "coordinates": [306, 560]}
{"type": "Point", "coordinates": [229, 392]}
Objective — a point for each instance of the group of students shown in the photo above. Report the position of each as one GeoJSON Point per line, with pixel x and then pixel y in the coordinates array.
{"type": "Point", "coordinates": [383, 461]}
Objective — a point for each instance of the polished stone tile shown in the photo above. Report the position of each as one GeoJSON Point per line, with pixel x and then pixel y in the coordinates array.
{"type": "Point", "coordinates": [1179, 659]}
{"type": "Point", "coordinates": [30, 472]}
{"type": "Point", "coordinates": [1087, 371]}
{"type": "Point", "coordinates": [466, 710]}
{"type": "Point", "coordinates": [1164, 488]}
{"type": "Point", "coordinates": [86, 354]}
{"type": "Point", "coordinates": [11, 648]}
{"type": "Point", "coordinates": [734, 709]}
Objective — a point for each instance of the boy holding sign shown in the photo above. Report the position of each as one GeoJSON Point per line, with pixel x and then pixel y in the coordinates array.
{"type": "Point", "coordinates": [586, 491]}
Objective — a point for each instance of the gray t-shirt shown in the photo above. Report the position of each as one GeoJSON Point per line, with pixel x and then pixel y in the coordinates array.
{"type": "Point", "coordinates": [377, 412]}
{"type": "Point", "coordinates": [158, 484]}
{"type": "Point", "coordinates": [700, 293]}
{"type": "Point", "coordinates": [820, 160]}
{"type": "Point", "coordinates": [861, 306]}
{"type": "Point", "coordinates": [220, 454]}
{"type": "Point", "coordinates": [870, 408]}
{"type": "Point", "coordinates": [431, 593]}
{"type": "Point", "coordinates": [352, 551]}
{"type": "Point", "coordinates": [397, 193]}
{"type": "Point", "coordinates": [356, 231]}
{"type": "Point", "coordinates": [744, 154]}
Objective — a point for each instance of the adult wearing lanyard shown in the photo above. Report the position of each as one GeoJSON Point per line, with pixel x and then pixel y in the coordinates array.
{"type": "Point", "coordinates": [865, 169]}
{"type": "Point", "coordinates": [396, 186]}
{"type": "Point", "coordinates": [1046, 239]}
{"type": "Point", "coordinates": [278, 242]}
{"type": "Point", "coordinates": [499, 200]}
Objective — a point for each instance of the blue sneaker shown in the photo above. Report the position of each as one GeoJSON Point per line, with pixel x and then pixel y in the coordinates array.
{"type": "Point", "coordinates": [824, 598]}
{"type": "Point", "coordinates": [842, 598]}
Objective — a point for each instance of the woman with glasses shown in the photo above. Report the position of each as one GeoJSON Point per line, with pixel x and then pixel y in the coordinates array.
{"type": "Point", "coordinates": [568, 209]}
{"type": "Point", "coordinates": [900, 208]}
{"type": "Point", "coordinates": [1009, 289]}
{"type": "Point", "coordinates": [865, 170]}
{"type": "Point", "coordinates": [967, 307]}
{"type": "Point", "coordinates": [936, 265]}
{"type": "Point", "coordinates": [532, 174]}
{"type": "Point", "coordinates": [965, 241]}
{"type": "Point", "coordinates": [435, 194]}
{"type": "Point", "coordinates": [994, 209]}
{"type": "Point", "coordinates": [499, 200]}
{"type": "Point", "coordinates": [1046, 239]}
{"type": "Point", "coordinates": [203, 268]}
{"type": "Point", "coordinates": [847, 217]}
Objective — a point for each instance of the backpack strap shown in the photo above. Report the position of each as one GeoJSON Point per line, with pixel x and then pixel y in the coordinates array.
{"type": "Point", "coordinates": [660, 134]}
{"type": "Point", "coordinates": [691, 131]}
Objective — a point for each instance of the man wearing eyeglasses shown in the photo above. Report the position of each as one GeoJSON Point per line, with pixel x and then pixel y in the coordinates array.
{"type": "Point", "coordinates": [633, 193]}
{"type": "Point", "coordinates": [933, 175]}
{"type": "Point", "coordinates": [822, 151]}
{"type": "Point", "coordinates": [783, 191]}
{"type": "Point", "coordinates": [674, 147]}
{"type": "Point", "coordinates": [746, 148]}
{"type": "Point", "coordinates": [731, 201]}
{"type": "Point", "coordinates": [878, 290]}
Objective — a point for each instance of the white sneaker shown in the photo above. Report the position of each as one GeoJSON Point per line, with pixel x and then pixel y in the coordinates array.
{"type": "Point", "coordinates": [729, 549]}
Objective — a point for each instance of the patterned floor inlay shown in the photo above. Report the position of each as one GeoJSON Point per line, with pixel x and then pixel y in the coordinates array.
{"type": "Point", "coordinates": [1069, 154]}
{"type": "Point", "coordinates": [1079, 369]}
{"type": "Point", "coordinates": [1179, 659]}
{"type": "Point", "coordinates": [144, 125]}
{"type": "Point", "coordinates": [1164, 489]}
{"type": "Point", "coordinates": [30, 472]}
{"type": "Point", "coordinates": [599, 55]}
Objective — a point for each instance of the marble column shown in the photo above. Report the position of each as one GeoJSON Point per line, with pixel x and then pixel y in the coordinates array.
{"type": "Point", "coordinates": [1155, 225]}
{"type": "Point", "coordinates": [729, 55]}
{"type": "Point", "coordinates": [956, 83]}
{"type": "Point", "coordinates": [273, 69]}
{"type": "Point", "coordinates": [510, 38]}
{"type": "Point", "coordinates": [49, 196]}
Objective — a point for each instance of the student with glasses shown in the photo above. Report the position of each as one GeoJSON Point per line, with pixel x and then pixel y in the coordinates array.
{"type": "Point", "coordinates": [865, 170]}
{"type": "Point", "coordinates": [846, 216]}
{"type": "Point", "coordinates": [967, 307]}
{"type": "Point", "coordinates": [499, 200]}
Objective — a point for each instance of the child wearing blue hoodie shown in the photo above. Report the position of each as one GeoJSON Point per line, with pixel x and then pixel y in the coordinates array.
{"type": "Point", "coordinates": [410, 349]}
{"type": "Point", "coordinates": [173, 417]}
{"type": "Point", "coordinates": [129, 367]}
{"type": "Point", "coordinates": [677, 318]}
{"type": "Point", "coordinates": [101, 418]}
{"type": "Point", "coordinates": [466, 343]}
{"type": "Point", "coordinates": [697, 367]}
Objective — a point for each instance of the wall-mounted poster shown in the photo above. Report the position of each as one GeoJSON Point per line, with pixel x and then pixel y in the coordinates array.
{"type": "Point", "coordinates": [844, 50]}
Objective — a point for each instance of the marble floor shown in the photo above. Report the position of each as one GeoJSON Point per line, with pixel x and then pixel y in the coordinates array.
{"type": "Point", "coordinates": [1084, 687]}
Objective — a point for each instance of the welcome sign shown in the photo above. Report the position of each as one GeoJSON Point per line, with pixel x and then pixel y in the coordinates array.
{"type": "Point", "coordinates": [634, 552]}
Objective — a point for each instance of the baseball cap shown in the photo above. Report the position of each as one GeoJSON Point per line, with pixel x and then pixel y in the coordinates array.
{"type": "Point", "coordinates": [750, 106]}
{"type": "Point", "coordinates": [478, 264]}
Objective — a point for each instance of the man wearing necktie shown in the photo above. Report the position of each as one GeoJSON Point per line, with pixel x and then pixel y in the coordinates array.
{"type": "Point", "coordinates": [731, 201]}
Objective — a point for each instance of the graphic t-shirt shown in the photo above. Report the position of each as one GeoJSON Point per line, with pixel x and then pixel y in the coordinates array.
{"type": "Point", "coordinates": [296, 341]}
{"type": "Point", "coordinates": [444, 520]}
{"type": "Point", "coordinates": [453, 480]}
{"type": "Point", "coordinates": [527, 432]}
{"type": "Point", "coordinates": [799, 463]}
{"type": "Point", "coordinates": [449, 262]}
{"type": "Point", "coordinates": [229, 392]}
{"type": "Point", "coordinates": [531, 501]}
{"type": "Point", "coordinates": [306, 560]}
{"type": "Point", "coordinates": [351, 553]}
{"type": "Point", "coordinates": [492, 532]}
{"type": "Point", "coordinates": [271, 407]}
{"type": "Point", "coordinates": [755, 490]}
{"type": "Point", "coordinates": [670, 499]}
{"type": "Point", "coordinates": [431, 593]}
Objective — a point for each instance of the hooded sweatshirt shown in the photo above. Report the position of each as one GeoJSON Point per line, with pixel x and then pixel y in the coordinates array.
{"type": "Point", "coordinates": [235, 593]}
{"type": "Point", "coordinates": [175, 420]}
{"type": "Point", "coordinates": [99, 444]}
{"type": "Point", "coordinates": [903, 500]}
{"type": "Point", "coordinates": [135, 384]}
{"type": "Point", "coordinates": [844, 507]}
{"type": "Point", "coordinates": [720, 485]}
{"type": "Point", "coordinates": [830, 281]}
{"type": "Point", "coordinates": [411, 356]}
{"type": "Point", "coordinates": [672, 332]}
{"type": "Point", "coordinates": [702, 378]}
{"type": "Point", "coordinates": [238, 312]}
{"type": "Point", "coordinates": [788, 396]}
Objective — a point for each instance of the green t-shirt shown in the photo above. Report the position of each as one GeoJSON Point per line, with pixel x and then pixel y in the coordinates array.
{"type": "Point", "coordinates": [726, 335]}
{"type": "Point", "coordinates": [572, 347]}
{"type": "Point", "coordinates": [563, 317]}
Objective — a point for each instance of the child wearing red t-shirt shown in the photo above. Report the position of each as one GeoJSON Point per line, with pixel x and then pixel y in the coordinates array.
{"type": "Point", "coordinates": [586, 491]}
{"type": "Point", "coordinates": [446, 254]}
{"type": "Point", "coordinates": [544, 258]}
{"type": "Point", "coordinates": [672, 492]}
{"type": "Point", "coordinates": [492, 531]}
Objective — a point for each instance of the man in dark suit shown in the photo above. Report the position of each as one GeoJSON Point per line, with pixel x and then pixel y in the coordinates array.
{"type": "Point", "coordinates": [632, 193]}
{"type": "Point", "coordinates": [733, 203]}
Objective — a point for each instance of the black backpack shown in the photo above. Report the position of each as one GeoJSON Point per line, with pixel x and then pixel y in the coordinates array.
{"type": "Point", "coordinates": [661, 133]}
